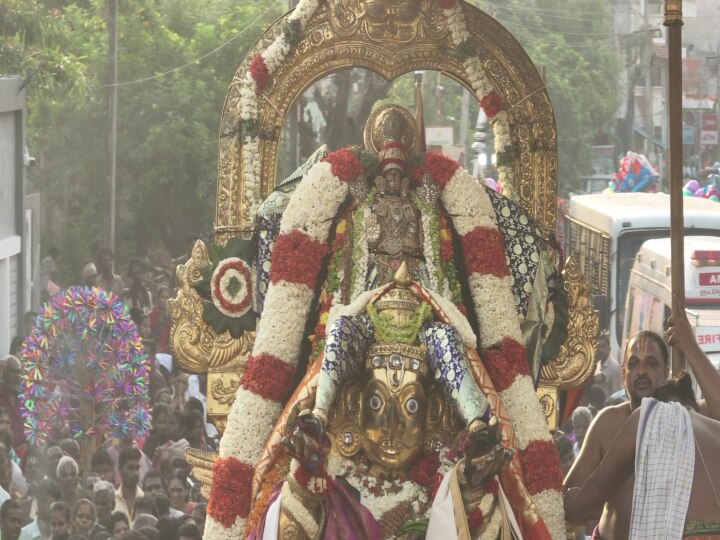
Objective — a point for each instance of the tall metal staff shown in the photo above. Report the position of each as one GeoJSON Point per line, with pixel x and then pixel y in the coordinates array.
{"type": "Point", "coordinates": [673, 21]}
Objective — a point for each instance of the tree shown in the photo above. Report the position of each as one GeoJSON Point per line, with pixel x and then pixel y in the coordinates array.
{"type": "Point", "coordinates": [574, 41]}
{"type": "Point", "coordinates": [172, 82]}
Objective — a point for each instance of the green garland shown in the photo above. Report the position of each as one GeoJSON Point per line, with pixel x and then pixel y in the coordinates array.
{"type": "Point", "coordinates": [388, 330]}
{"type": "Point", "coordinates": [426, 209]}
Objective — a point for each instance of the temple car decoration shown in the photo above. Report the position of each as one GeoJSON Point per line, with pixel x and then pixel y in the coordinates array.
{"type": "Point", "coordinates": [413, 325]}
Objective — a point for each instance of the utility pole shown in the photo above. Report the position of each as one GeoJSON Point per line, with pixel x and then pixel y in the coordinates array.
{"type": "Point", "coordinates": [649, 101]}
{"type": "Point", "coordinates": [112, 115]}
{"type": "Point", "coordinates": [674, 22]}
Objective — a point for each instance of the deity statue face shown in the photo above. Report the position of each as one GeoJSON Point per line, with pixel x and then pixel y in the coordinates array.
{"type": "Point", "coordinates": [393, 418]}
{"type": "Point", "coordinates": [393, 182]}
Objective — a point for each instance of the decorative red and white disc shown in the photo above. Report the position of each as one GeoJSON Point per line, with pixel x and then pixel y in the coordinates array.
{"type": "Point", "coordinates": [231, 287]}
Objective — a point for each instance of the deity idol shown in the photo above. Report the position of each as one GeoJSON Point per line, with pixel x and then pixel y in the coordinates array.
{"type": "Point", "coordinates": [432, 302]}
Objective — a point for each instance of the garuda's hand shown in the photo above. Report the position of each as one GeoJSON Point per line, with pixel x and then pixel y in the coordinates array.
{"type": "Point", "coordinates": [306, 441]}
{"type": "Point", "coordinates": [485, 456]}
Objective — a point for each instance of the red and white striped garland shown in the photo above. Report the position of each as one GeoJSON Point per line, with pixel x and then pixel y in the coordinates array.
{"type": "Point", "coordinates": [270, 371]}
{"type": "Point", "coordinates": [501, 341]}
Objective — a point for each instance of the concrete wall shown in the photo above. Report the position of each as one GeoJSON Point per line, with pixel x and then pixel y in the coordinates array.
{"type": "Point", "coordinates": [12, 214]}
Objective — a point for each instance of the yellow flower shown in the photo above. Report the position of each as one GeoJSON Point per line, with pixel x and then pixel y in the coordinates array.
{"type": "Point", "coordinates": [341, 226]}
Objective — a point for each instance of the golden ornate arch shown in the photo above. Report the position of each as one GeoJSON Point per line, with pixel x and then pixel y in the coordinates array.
{"type": "Point", "coordinates": [390, 38]}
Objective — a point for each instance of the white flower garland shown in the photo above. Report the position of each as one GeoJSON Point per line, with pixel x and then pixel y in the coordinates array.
{"type": "Point", "coordinates": [497, 320]}
{"type": "Point", "coordinates": [390, 497]}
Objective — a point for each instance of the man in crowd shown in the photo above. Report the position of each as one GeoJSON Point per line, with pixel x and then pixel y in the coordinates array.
{"type": "Point", "coordinates": [101, 465]}
{"type": "Point", "coordinates": [645, 365]}
{"type": "Point", "coordinates": [668, 448]}
{"type": "Point", "coordinates": [129, 490]}
{"type": "Point", "coordinates": [153, 483]}
{"type": "Point", "coordinates": [608, 366]}
{"type": "Point", "coordinates": [107, 279]}
{"type": "Point", "coordinates": [59, 518]}
{"type": "Point", "coordinates": [10, 379]}
{"type": "Point", "coordinates": [11, 520]}
{"type": "Point", "coordinates": [104, 500]}
{"type": "Point", "coordinates": [46, 493]}
{"type": "Point", "coordinates": [53, 453]}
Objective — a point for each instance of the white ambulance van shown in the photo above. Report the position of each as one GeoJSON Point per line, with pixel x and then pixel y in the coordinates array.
{"type": "Point", "coordinates": [649, 297]}
{"type": "Point", "coordinates": [604, 232]}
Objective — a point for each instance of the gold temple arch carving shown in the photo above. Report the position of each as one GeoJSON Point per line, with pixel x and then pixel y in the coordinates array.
{"type": "Point", "coordinates": [390, 38]}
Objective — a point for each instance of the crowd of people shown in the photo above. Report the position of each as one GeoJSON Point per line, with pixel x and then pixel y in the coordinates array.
{"type": "Point", "coordinates": [128, 489]}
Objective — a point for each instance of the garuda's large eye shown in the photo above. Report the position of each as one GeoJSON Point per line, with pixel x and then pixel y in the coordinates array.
{"type": "Point", "coordinates": [376, 402]}
{"type": "Point", "coordinates": [412, 405]}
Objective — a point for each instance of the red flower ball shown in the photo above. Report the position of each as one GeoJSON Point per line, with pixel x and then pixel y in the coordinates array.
{"type": "Point", "coordinates": [440, 167]}
{"type": "Point", "coordinates": [493, 104]}
{"type": "Point", "coordinates": [259, 72]}
{"type": "Point", "coordinates": [476, 519]}
{"type": "Point", "coordinates": [505, 362]}
{"type": "Point", "coordinates": [269, 377]}
{"type": "Point", "coordinates": [231, 490]}
{"type": "Point", "coordinates": [345, 164]}
{"type": "Point", "coordinates": [484, 251]}
{"type": "Point", "coordinates": [446, 4]}
{"type": "Point", "coordinates": [541, 467]}
{"type": "Point", "coordinates": [297, 258]}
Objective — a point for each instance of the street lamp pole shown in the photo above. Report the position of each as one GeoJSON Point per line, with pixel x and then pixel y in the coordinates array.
{"type": "Point", "coordinates": [673, 21]}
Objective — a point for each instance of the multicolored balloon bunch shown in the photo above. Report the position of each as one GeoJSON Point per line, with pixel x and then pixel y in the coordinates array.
{"type": "Point", "coordinates": [84, 370]}
{"type": "Point", "coordinates": [636, 174]}
{"type": "Point", "coordinates": [708, 191]}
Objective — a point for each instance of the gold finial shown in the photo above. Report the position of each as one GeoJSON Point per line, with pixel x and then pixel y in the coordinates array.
{"type": "Point", "coordinates": [402, 276]}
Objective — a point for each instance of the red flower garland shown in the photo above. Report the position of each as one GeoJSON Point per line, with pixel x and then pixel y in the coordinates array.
{"type": "Point", "coordinates": [484, 250]}
{"type": "Point", "coordinates": [505, 362]}
{"type": "Point", "coordinates": [231, 490]}
{"type": "Point", "coordinates": [269, 377]}
{"type": "Point", "coordinates": [440, 167]}
{"type": "Point", "coordinates": [259, 72]}
{"type": "Point", "coordinates": [345, 164]}
{"type": "Point", "coordinates": [541, 467]}
{"type": "Point", "coordinates": [297, 258]}
{"type": "Point", "coordinates": [493, 104]}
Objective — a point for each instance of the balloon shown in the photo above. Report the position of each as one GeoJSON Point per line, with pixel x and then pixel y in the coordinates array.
{"type": "Point", "coordinates": [491, 183]}
{"type": "Point", "coordinates": [692, 185]}
{"type": "Point", "coordinates": [687, 192]}
{"type": "Point", "coordinates": [713, 191]}
{"type": "Point", "coordinates": [714, 198]}
{"type": "Point", "coordinates": [700, 192]}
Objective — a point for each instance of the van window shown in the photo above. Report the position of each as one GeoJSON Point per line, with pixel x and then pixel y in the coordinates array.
{"type": "Point", "coordinates": [628, 245]}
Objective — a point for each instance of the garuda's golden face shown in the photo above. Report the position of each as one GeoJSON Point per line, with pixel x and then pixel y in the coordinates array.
{"type": "Point", "coordinates": [393, 418]}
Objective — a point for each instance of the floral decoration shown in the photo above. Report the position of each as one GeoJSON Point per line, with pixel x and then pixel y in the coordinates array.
{"type": "Point", "coordinates": [259, 72]}
{"type": "Point", "coordinates": [226, 288]}
{"type": "Point", "coordinates": [230, 490]}
{"type": "Point", "coordinates": [345, 164]}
